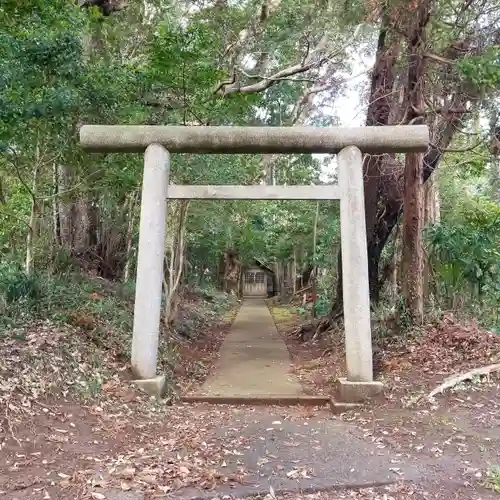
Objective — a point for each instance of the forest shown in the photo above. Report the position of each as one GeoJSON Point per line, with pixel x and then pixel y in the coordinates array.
{"type": "Point", "coordinates": [69, 219]}
{"type": "Point", "coordinates": [432, 220]}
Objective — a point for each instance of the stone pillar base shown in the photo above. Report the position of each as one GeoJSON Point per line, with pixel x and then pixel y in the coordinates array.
{"type": "Point", "coordinates": [156, 386]}
{"type": "Point", "coordinates": [357, 392]}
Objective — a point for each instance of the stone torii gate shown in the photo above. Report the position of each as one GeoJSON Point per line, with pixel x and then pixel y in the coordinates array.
{"type": "Point", "coordinates": [349, 143]}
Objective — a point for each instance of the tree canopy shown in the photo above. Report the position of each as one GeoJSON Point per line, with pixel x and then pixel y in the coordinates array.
{"type": "Point", "coordinates": [273, 62]}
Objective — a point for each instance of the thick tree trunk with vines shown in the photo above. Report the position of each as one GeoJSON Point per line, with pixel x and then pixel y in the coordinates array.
{"type": "Point", "coordinates": [412, 262]}
{"type": "Point", "coordinates": [378, 114]}
{"type": "Point", "coordinates": [384, 174]}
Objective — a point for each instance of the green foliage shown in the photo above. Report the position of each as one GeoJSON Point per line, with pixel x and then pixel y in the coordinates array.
{"type": "Point", "coordinates": [16, 286]}
{"type": "Point", "coordinates": [61, 66]}
{"type": "Point", "coordinates": [40, 59]}
{"type": "Point", "coordinates": [322, 304]}
{"type": "Point", "coordinates": [302, 312]}
{"type": "Point", "coordinates": [483, 215]}
{"type": "Point", "coordinates": [59, 298]}
{"type": "Point", "coordinates": [493, 479]}
{"type": "Point", "coordinates": [158, 63]}
{"type": "Point", "coordinates": [13, 220]}
{"type": "Point", "coordinates": [465, 255]}
{"type": "Point", "coordinates": [484, 70]}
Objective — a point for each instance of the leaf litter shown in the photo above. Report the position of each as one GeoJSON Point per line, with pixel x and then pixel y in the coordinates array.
{"type": "Point", "coordinates": [74, 426]}
{"type": "Point", "coordinates": [460, 427]}
{"type": "Point", "coordinates": [72, 420]}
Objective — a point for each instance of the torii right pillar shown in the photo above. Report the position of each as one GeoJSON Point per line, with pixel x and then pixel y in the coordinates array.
{"type": "Point", "coordinates": [359, 384]}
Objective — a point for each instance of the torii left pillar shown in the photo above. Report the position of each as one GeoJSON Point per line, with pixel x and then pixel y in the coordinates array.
{"type": "Point", "coordinates": [149, 280]}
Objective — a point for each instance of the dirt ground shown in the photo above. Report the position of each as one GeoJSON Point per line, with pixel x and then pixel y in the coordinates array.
{"type": "Point", "coordinates": [130, 445]}
{"type": "Point", "coordinates": [461, 426]}
{"type": "Point", "coordinates": [72, 424]}
{"type": "Point", "coordinates": [75, 428]}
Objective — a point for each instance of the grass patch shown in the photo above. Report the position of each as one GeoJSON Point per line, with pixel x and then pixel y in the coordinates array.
{"type": "Point", "coordinates": [229, 315]}
{"type": "Point", "coordinates": [493, 479]}
{"type": "Point", "coordinates": [284, 314]}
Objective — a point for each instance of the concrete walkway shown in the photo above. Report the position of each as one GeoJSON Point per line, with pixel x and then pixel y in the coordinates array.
{"type": "Point", "coordinates": [254, 360]}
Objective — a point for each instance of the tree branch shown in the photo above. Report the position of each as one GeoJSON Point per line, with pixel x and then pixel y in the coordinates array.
{"type": "Point", "coordinates": [267, 82]}
{"type": "Point", "coordinates": [310, 61]}
{"type": "Point", "coordinates": [437, 58]}
{"type": "Point", "coordinates": [260, 77]}
{"type": "Point", "coordinates": [461, 150]}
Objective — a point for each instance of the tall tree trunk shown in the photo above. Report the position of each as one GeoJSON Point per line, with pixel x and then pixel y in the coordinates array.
{"type": "Point", "coordinates": [56, 222]}
{"type": "Point", "coordinates": [268, 169]}
{"type": "Point", "coordinates": [383, 174]}
{"type": "Point", "coordinates": [378, 114]}
{"type": "Point", "coordinates": [232, 272]}
{"type": "Point", "coordinates": [432, 214]}
{"type": "Point", "coordinates": [28, 267]}
{"type": "Point", "coordinates": [495, 155]}
{"type": "Point", "coordinates": [132, 200]}
{"type": "Point", "coordinates": [315, 264]}
{"type": "Point", "coordinates": [3, 198]}
{"type": "Point", "coordinates": [412, 263]}
{"type": "Point", "coordinates": [66, 207]}
{"type": "Point", "coordinates": [382, 96]}
{"type": "Point", "coordinates": [176, 266]}
{"type": "Point", "coordinates": [78, 209]}
{"type": "Point", "coordinates": [294, 270]}
{"type": "Point", "coordinates": [78, 216]}
{"type": "Point", "coordinates": [432, 204]}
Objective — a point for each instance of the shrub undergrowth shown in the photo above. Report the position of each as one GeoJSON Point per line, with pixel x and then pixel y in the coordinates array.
{"type": "Point", "coordinates": [102, 311]}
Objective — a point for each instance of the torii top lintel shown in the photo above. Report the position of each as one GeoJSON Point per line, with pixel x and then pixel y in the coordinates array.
{"type": "Point", "coordinates": [264, 140]}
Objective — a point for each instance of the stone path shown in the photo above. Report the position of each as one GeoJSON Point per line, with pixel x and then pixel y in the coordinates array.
{"type": "Point", "coordinates": [289, 452]}
{"type": "Point", "coordinates": [295, 449]}
{"type": "Point", "coordinates": [285, 450]}
{"type": "Point", "coordinates": [254, 360]}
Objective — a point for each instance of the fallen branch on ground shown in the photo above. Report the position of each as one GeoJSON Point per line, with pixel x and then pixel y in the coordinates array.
{"type": "Point", "coordinates": [8, 422]}
{"type": "Point", "coordinates": [451, 382]}
{"type": "Point", "coordinates": [302, 290]}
